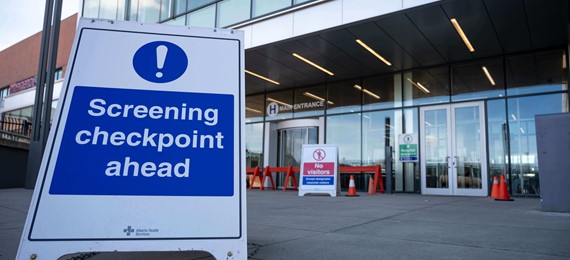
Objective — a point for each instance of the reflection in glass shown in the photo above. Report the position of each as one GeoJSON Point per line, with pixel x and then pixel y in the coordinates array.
{"type": "Point", "coordinates": [279, 105]}
{"type": "Point", "coordinates": [205, 17]}
{"type": "Point", "coordinates": [524, 161]}
{"type": "Point", "coordinates": [291, 142]}
{"type": "Point", "coordinates": [478, 80]}
{"type": "Point", "coordinates": [310, 101]}
{"type": "Point", "coordinates": [233, 11]}
{"type": "Point", "coordinates": [382, 92]}
{"type": "Point", "coordinates": [378, 131]}
{"type": "Point", "coordinates": [198, 3]}
{"type": "Point", "coordinates": [536, 73]}
{"type": "Point", "coordinates": [497, 136]}
{"type": "Point", "coordinates": [344, 131]}
{"type": "Point", "coordinates": [345, 97]}
{"type": "Point", "coordinates": [468, 147]}
{"type": "Point", "coordinates": [254, 108]}
{"type": "Point", "coordinates": [254, 145]}
{"type": "Point", "coordinates": [149, 11]}
{"type": "Point", "coordinates": [165, 9]}
{"type": "Point", "coordinates": [436, 153]}
{"type": "Point", "coordinates": [426, 87]}
{"type": "Point", "coordinates": [261, 7]}
{"type": "Point", "coordinates": [91, 8]}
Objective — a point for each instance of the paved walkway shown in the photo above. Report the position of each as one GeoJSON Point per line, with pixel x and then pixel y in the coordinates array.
{"type": "Point", "coordinates": [282, 225]}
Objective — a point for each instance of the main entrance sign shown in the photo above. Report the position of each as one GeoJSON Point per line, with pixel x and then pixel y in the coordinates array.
{"type": "Point", "coordinates": [145, 152]}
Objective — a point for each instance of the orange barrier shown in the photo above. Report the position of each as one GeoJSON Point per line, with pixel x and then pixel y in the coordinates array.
{"type": "Point", "coordinates": [267, 171]}
{"type": "Point", "coordinates": [374, 168]}
{"type": "Point", "coordinates": [255, 172]}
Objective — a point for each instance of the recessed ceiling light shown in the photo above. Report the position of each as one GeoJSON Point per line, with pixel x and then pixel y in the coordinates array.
{"type": "Point", "coordinates": [367, 92]}
{"type": "Point", "coordinates": [488, 76]}
{"type": "Point", "coordinates": [278, 102]}
{"type": "Point", "coordinates": [261, 77]}
{"type": "Point", "coordinates": [312, 64]}
{"type": "Point", "coordinates": [373, 52]}
{"type": "Point", "coordinates": [419, 86]}
{"type": "Point", "coordinates": [462, 35]}
{"type": "Point", "coordinates": [308, 94]}
{"type": "Point", "coordinates": [252, 110]}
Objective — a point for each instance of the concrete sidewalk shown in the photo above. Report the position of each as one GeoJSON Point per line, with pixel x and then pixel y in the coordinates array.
{"type": "Point", "coordinates": [282, 225]}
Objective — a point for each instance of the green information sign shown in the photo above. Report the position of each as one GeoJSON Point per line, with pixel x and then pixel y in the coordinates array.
{"type": "Point", "coordinates": [408, 148]}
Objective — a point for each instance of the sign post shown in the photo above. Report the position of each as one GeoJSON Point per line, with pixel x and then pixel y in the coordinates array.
{"type": "Point", "coordinates": [408, 147]}
{"type": "Point", "coordinates": [319, 170]}
{"type": "Point", "coordinates": [146, 150]}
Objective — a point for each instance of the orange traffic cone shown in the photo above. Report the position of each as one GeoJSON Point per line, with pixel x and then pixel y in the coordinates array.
{"type": "Point", "coordinates": [503, 190]}
{"type": "Point", "coordinates": [371, 190]}
{"type": "Point", "coordinates": [352, 188]}
{"type": "Point", "coordinates": [495, 189]}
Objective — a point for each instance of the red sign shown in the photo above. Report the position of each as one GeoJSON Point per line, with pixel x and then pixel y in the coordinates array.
{"type": "Point", "coordinates": [22, 85]}
{"type": "Point", "coordinates": [324, 168]}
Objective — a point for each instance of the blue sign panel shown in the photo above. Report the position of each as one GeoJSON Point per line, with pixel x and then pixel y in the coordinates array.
{"type": "Point", "coordinates": [140, 142]}
{"type": "Point", "coordinates": [160, 62]}
{"type": "Point", "coordinates": [318, 180]}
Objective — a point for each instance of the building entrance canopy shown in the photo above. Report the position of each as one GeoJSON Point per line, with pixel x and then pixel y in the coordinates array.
{"type": "Point", "coordinates": [417, 37]}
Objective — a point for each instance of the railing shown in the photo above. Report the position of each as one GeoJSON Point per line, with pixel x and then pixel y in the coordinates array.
{"type": "Point", "coordinates": [15, 129]}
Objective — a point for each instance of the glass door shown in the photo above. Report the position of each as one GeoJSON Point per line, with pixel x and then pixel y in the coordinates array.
{"type": "Point", "coordinates": [291, 141]}
{"type": "Point", "coordinates": [453, 150]}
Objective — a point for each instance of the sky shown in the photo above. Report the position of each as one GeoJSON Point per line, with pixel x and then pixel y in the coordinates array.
{"type": "Point", "coordinates": [20, 19]}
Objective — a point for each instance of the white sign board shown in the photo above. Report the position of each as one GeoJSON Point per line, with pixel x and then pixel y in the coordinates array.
{"type": "Point", "coordinates": [319, 169]}
{"type": "Point", "coordinates": [146, 149]}
{"type": "Point", "coordinates": [408, 149]}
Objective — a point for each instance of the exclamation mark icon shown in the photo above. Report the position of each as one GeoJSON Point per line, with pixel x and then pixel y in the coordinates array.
{"type": "Point", "coordinates": [161, 51]}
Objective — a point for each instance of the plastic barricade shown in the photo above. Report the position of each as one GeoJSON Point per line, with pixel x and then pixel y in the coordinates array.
{"type": "Point", "coordinates": [376, 169]}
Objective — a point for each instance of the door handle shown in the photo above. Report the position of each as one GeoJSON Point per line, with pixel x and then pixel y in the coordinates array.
{"type": "Point", "coordinates": [455, 161]}
{"type": "Point", "coordinates": [447, 161]}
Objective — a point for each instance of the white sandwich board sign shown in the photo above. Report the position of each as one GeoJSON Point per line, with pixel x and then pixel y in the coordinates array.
{"type": "Point", "coordinates": [319, 169]}
{"type": "Point", "coordinates": [146, 149]}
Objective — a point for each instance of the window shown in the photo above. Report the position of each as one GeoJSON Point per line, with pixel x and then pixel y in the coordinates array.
{"type": "Point", "coordinates": [254, 108]}
{"type": "Point", "coordinates": [522, 134]}
{"type": "Point", "coordinates": [279, 105]}
{"type": "Point", "coordinates": [344, 131]}
{"type": "Point", "coordinates": [205, 17]}
{"type": "Point", "coordinates": [254, 145]}
{"type": "Point", "coordinates": [536, 73]}
{"type": "Point", "coordinates": [233, 11]}
{"type": "Point", "coordinates": [261, 7]}
{"type": "Point", "coordinates": [478, 80]}
{"type": "Point", "coordinates": [148, 11]}
{"type": "Point", "coordinates": [310, 102]}
{"type": "Point", "coordinates": [58, 74]}
{"type": "Point", "coordinates": [344, 97]}
{"type": "Point", "coordinates": [382, 92]}
{"type": "Point", "coordinates": [426, 86]}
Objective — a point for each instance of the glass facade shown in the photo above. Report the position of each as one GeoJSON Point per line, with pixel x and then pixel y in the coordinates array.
{"type": "Point", "coordinates": [198, 13]}
{"type": "Point", "coordinates": [364, 117]}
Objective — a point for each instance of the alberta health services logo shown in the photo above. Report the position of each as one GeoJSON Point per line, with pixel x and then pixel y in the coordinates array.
{"type": "Point", "coordinates": [140, 232]}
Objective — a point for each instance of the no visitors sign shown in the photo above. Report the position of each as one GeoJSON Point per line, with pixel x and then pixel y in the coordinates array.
{"type": "Point", "coordinates": [319, 169]}
{"type": "Point", "coordinates": [145, 152]}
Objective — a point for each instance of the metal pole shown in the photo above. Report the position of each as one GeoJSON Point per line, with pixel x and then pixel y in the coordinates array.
{"type": "Point", "coordinates": [36, 143]}
{"type": "Point", "coordinates": [54, 41]}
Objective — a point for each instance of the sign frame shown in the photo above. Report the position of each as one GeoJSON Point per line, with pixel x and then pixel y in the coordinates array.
{"type": "Point", "coordinates": [329, 155]}
{"type": "Point", "coordinates": [232, 244]}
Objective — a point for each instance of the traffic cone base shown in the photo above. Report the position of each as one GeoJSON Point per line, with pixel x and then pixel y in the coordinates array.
{"type": "Point", "coordinates": [352, 188]}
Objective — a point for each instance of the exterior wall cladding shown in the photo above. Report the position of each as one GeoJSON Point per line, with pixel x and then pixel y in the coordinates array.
{"type": "Point", "coordinates": [20, 61]}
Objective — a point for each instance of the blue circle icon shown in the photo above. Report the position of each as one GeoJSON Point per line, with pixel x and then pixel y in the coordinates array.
{"type": "Point", "coordinates": [160, 62]}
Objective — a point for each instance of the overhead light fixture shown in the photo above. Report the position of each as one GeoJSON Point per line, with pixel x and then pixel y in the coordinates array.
{"type": "Point", "coordinates": [462, 35]}
{"type": "Point", "coordinates": [367, 92]}
{"type": "Point", "coordinates": [252, 110]}
{"type": "Point", "coordinates": [279, 102]}
{"type": "Point", "coordinates": [427, 123]}
{"type": "Point", "coordinates": [373, 52]}
{"type": "Point", "coordinates": [522, 130]}
{"type": "Point", "coordinates": [419, 86]}
{"type": "Point", "coordinates": [261, 77]}
{"type": "Point", "coordinates": [308, 94]}
{"type": "Point", "coordinates": [488, 76]}
{"type": "Point", "coordinates": [513, 116]}
{"type": "Point", "coordinates": [564, 61]}
{"type": "Point", "coordinates": [312, 64]}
